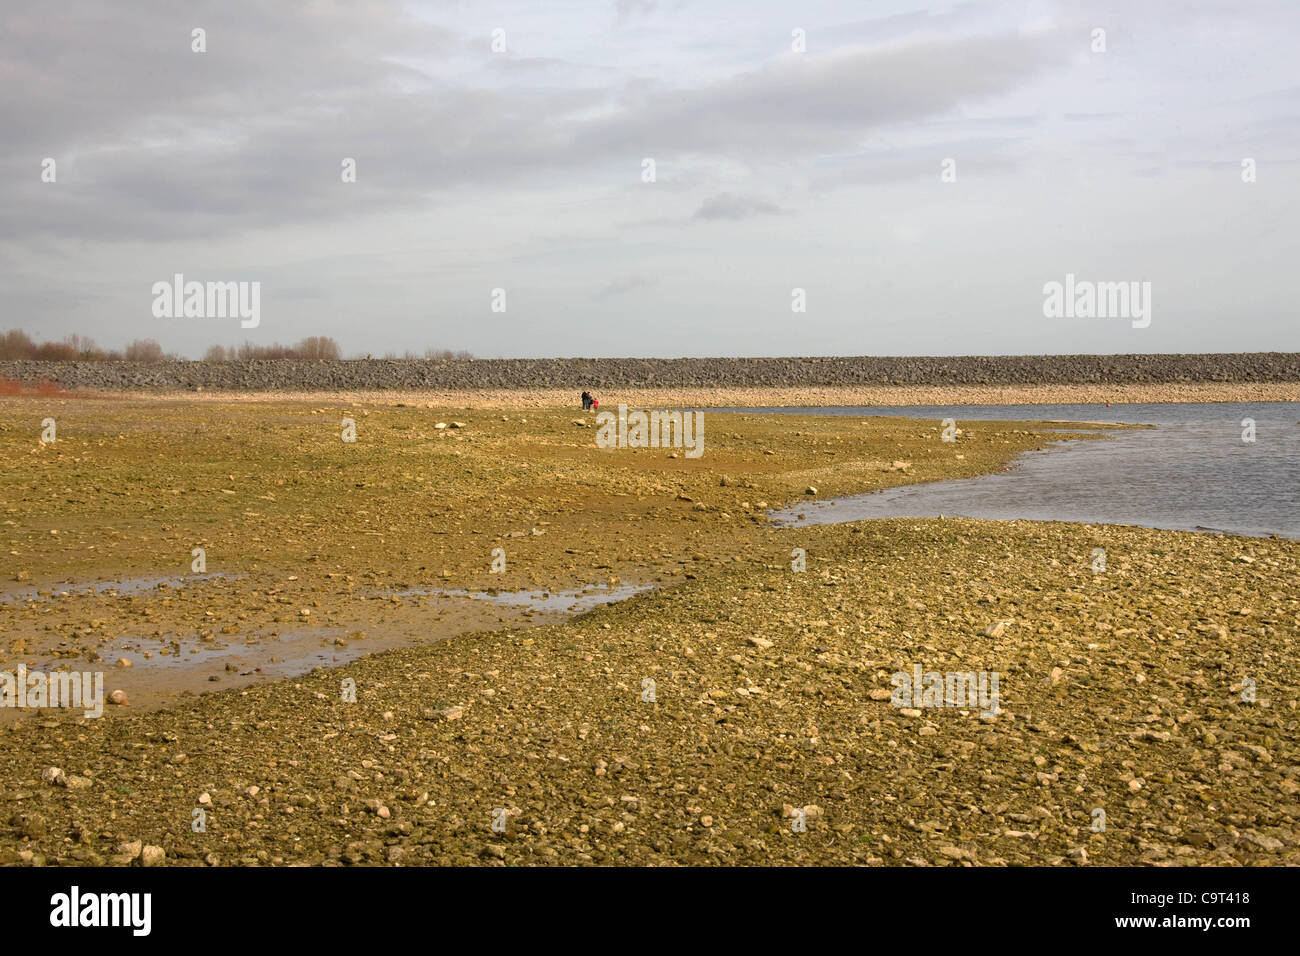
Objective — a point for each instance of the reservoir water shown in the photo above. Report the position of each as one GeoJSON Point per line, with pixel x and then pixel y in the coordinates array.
{"type": "Point", "coordinates": [1191, 471]}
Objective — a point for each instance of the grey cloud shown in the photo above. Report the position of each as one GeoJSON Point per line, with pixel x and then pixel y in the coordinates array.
{"type": "Point", "coordinates": [728, 206]}
{"type": "Point", "coordinates": [132, 77]}
{"type": "Point", "coordinates": [799, 104]}
{"type": "Point", "coordinates": [625, 9]}
{"type": "Point", "coordinates": [167, 143]}
{"type": "Point", "coordinates": [627, 284]}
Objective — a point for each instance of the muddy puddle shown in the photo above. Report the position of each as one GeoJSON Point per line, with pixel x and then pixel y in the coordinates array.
{"type": "Point", "coordinates": [572, 602]}
{"type": "Point", "coordinates": [155, 671]}
{"type": "Point", "coordinates": [140, 585]}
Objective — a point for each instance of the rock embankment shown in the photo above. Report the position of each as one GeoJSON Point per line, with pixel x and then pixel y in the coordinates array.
{"type": "Point", "coordinates": [579, 373]}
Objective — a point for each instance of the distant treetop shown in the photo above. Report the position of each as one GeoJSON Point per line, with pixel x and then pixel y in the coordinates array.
{"type": "Point", "coordinates": [18, 345]}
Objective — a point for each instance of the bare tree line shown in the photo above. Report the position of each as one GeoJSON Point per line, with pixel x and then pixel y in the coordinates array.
{"type": "Point", "coordinates": [18, 345]}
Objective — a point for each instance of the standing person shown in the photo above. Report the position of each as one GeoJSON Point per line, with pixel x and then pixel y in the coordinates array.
{"type": "Point", "coordinates": [586, 401]}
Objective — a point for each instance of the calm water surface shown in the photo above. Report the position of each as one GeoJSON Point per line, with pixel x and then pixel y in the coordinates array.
{"type": "Point", "coordinates": [1192, 471]}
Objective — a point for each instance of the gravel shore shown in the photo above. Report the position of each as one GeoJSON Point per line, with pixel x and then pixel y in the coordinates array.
{"type": "Point", "coordinates": [1120, 693]}
{"type": "Point", "coordinates": [860, 373]}
{"type": "Point", "coordinates": [766, 397]}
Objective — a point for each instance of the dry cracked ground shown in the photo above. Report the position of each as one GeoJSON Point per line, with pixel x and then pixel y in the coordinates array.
{"type": "Point", "coordinates": [739, 713]}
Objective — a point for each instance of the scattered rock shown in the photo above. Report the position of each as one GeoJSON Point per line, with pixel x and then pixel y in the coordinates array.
{"type": "Point", "coordinates": [55, 777]}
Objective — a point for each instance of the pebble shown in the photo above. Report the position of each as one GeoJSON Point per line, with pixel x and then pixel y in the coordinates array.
{"type": "Point", "coordinates": [55, 777]}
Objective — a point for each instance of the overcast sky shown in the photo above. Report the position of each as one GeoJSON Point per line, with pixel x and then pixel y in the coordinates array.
{"type": "Point", "coordinates": [775, 169]}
